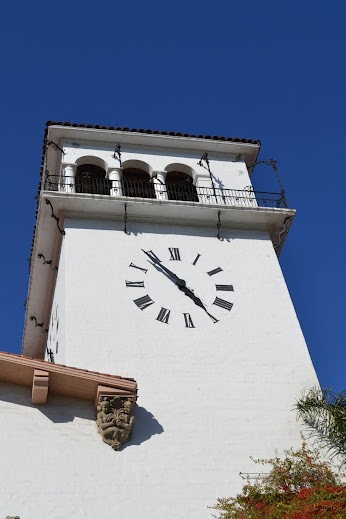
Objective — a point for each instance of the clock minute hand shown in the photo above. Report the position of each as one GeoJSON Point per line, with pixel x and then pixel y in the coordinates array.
{"type": "Point", "coordinates": [177, 281]}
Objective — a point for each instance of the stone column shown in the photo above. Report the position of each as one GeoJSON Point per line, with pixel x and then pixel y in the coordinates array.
{"type": "Point", "coordinates": [115, 175]}
{"type": "Point", "coordinates": [159, 178]}
{"type": "Point", "coordinates": [69, 178]}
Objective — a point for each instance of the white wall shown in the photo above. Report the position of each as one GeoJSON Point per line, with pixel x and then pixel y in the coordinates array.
{"type": "Point", "coordinates": [229, 171]}
{"type": "Point", "coordinates": [209, 397]}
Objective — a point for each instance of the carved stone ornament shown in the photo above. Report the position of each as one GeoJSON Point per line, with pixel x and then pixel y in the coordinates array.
{"type": "Point", "coordinates": [114, 420]}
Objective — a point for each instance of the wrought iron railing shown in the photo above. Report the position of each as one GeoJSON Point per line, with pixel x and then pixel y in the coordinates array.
{"type": "Point", "coordinates": [185, 192]}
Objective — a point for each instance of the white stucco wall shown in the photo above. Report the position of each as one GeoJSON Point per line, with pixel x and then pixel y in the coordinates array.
{"type": "Point", "coordinates": [229, 171]}
{"type": "Point", "coordinates": [209, 397]}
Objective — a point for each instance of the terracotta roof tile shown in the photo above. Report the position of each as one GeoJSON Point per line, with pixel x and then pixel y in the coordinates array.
{"type": "Point", "coordinates": [156, 132]}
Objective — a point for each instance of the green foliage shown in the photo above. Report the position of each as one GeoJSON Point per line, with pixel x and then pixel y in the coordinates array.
{"type": "Point", "coordinates": [300, 486]}
{"type": "Point", "coordinates": [325, 413]}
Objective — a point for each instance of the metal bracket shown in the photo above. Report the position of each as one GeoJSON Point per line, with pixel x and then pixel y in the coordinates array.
{"type": "Point", "coordinates": [218, 225]}
{"type": "Point", "coordinates": [47, 181]}
{"type": "Point", "coordinates": [273, 163]}
{"type": "Point", "coordinates": [55, 217]}
{"type": "Point", "coordinates": [125, 219]}
{"type": "Point", "coordinates": [47, 262]}
{"type": "Point", "coordinates": [117, 154]}
{"type": "Point", "coordinates": [54, 144]}
{"type": "Point", "coordinates": [40, 325]}
{"type": "Point", "coordinates": [252, 475]}
{"type": "Point", "coordinates": [50, 355]}
{"type": "Point", "coordinates": [47, 175]}
{"type": "Point", "coordinates": [283, 230]}
{"type": "Point", "coordinates": [205, 159]}
{"type": "Point", "coordinates": [154, 177]}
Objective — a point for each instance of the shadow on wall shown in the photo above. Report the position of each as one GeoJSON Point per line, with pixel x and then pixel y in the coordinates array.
{"type": "Point", "coordinates": [136, 229]}
{"type": "Point", "coordinates": [60, 409]}
{"type": "Point", "coordinates": [145, 426]}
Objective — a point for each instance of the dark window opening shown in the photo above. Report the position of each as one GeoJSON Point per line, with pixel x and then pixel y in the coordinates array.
{"type": "Point", "coordinates": [91, 179]}
{"type": "Point", "coordinates": [180, 187]}
{"type": "Point", "coordinates": [136, 182]}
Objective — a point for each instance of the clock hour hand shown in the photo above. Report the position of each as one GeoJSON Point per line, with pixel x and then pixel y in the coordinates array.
{"type": "Point", "coordinates": [173, 277]}
{"type": "Point", "coordinates": [189, 293]}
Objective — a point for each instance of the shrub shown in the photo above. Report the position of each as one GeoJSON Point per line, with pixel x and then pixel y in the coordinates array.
{"type": "Point", "coordinates": [299, 486]}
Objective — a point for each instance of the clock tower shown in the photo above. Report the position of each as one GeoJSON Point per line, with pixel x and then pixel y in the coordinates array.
{"type": "Point", "coordinates": [154, 258]}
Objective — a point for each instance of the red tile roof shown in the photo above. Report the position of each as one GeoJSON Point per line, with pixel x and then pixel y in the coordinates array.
{"type": "Point", "coordinates": [153, 132]}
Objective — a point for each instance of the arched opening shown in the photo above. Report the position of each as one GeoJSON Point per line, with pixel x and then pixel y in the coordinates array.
{"type": "Point", "coordinates": [136, 182]}
{"type": "Point", "coordinates": [180, 187]}
{"type": "Point", "coordinates": [91, 179]}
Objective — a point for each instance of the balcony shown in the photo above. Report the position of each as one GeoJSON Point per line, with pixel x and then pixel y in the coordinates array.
{"type": "Point", "coordinates": [185, 192]}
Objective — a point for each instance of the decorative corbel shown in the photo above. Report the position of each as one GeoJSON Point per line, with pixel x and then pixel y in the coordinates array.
{"type": "Point", "coordinates": [114, 415]}
{"type": "Point", "coordinates": [39, 386]}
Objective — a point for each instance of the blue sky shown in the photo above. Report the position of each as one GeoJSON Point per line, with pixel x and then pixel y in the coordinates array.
{"type": "Point", "coordinates": [269, 70]}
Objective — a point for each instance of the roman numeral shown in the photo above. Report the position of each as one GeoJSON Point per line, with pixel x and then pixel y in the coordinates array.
{"type": "Point", "coordinates": [152, 256]}
{"type": "Point", "coordinates": [143, 302]}
{"type": "Point", "coordinates": [215, 271]}
{"type": "Point", "coordinates": [139, 268]}
{"type": "Point", "coordinates": [188, 321]}
{"type": "Point", "coordinates": [225, 288]}
{"type": "Point", "coordinates": [196, 259]}
{"type": "Point", "coordinates": [163, 315]}
{"type": "Point", "coordinates": [137, 284]}
{"type": "Point", "coordinates": [175, 254]}
{"type": "Point", "coordinates": [223, 304]}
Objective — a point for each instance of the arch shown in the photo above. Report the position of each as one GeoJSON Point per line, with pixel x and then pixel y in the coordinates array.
{"type": "Point", "coordinates": [92, 159]}
{"type": "Point", "coordinates": [179, 183]}
{"type": "Point", "coordinates": [137, 181]}
{"type": "Point", "coordinates": [91, 176]}
{"type": "Point", "coordinates": [182, 168]}
{"type": "Point", "coordinates": [137, 164]}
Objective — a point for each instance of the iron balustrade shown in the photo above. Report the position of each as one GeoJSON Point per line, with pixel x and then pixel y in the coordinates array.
{"type": "Point", "coordinates": [185, 192]}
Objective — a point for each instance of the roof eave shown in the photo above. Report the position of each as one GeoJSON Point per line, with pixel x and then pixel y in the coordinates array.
{"type": "Point", "coordinates": [249, 149]}
{"type": "Point", "coordinates": [62, 380]}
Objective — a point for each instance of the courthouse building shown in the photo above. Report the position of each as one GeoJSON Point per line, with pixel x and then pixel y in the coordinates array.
{"type": "Point", "coordinates": [161, 348]}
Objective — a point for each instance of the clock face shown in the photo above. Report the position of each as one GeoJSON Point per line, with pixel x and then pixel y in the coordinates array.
{"type": "Point", "coordinates": [179, 288]}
